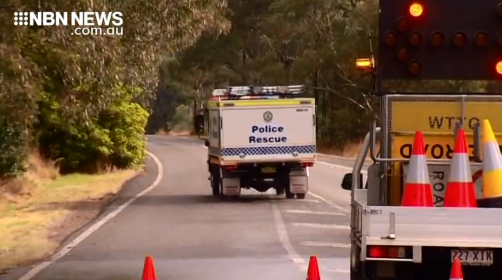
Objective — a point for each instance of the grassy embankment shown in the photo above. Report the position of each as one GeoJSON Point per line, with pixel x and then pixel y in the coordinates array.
{"type": "Point", "coordinates": [40, 209]}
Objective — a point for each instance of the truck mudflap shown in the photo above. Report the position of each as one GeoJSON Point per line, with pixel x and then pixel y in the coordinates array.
{"type": "Point", "coordinates": [231, 186]}
{"type": "Point", "coordinates": [298, 181]}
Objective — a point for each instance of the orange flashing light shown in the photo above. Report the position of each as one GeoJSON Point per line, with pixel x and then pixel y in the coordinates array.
{"type": "Point", "coordinates": [481, 39]}
{"type": "Point", "coordinates": [364, 63]}
{"type": "Point", "coordinates": [499, 39]}
{"type": "Point", "coordinates": [415, 68]}
{"type": "Point", "coordinates": [498, 67]}
{"type": "Point", "coordinates": [437, 39]}
{"type": "Point", "coordinates": [459, 39]}
{"type": "Point", "coordinates": [416, 10]}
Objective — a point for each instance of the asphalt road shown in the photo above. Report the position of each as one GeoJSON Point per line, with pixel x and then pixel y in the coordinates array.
{"type": "Point", "coordinates": [192, 235]}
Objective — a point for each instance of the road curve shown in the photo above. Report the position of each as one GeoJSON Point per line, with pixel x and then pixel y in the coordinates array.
{"type": "Point", "coordinates": [192, 235]}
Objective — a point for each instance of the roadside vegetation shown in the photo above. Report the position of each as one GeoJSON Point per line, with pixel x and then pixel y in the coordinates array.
{"type": "Point", "coordinates": [73, 111]}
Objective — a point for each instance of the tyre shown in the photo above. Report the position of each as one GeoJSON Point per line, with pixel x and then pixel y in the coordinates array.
{"type": "Point", "coordinates": [289, 195]}
{"type": "Point", "coordinates": [279, 191]}
{"type": "Point", "coordinates": [300, 195]}
{"type": "Point", "coordinates": [356, 269]}
{"type": "Point", "coordinates": [215, 183]}
{"type": "Point", "coordinates": [222, 196]}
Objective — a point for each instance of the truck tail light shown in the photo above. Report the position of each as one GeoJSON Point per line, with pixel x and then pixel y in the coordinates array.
{"type": "Point", "coordinates": [230, 167]}
{"type": "Point", "coordinates": [307, 164]}
{"type": "Point", "coordinates": [389, 252]}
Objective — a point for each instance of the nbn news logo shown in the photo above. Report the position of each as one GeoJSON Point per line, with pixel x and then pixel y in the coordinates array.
{"type": "Point", "coordinates": [68, 18]}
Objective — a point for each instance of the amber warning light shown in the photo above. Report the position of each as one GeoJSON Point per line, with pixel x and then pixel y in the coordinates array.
{"type": "Point", "coordinates": [416, 9]}
{"type": "Point", "coordinates": [498, 67]}
{"type": "Point", "coordinates": [364, 63]}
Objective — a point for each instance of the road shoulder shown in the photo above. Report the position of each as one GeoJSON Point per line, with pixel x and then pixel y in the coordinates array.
{"type": "Point", "coordinates": [83, 215]}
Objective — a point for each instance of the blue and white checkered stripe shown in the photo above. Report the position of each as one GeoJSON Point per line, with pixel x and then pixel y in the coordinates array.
{"type": "Point", "coordinates": [271, 150]}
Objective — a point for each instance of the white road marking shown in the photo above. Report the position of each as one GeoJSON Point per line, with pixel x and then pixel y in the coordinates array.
{"type": "Point", "coordinates": [331, 203]}
{"type": "Point", "coordinates": [364, 172]}
{"type": "Point", "coordinates": [61, 253]}
{"type": "Point", "coordinates": [294, 211]}
{"type": "Point", "coordinates": [309, 200]}
{"type": "Point", "coordinates": [283, 235]}
{"type": "Point", "coordinates": [338, 270]}
{"type": "Point", "coordinates": [326, 244]}
{"type": "Point", "coordinates": [327, 226]}
{"type": "Point", "coordinates": [284, 238]}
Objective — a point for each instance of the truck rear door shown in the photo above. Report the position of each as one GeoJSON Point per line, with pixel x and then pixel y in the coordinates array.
{"type": "Point", "coordinates": [269, 130]}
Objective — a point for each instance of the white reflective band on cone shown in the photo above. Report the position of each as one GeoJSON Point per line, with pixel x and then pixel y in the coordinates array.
{"type": "Point", "coordinates": [417, 170]}
{"type": "Point", "coordinates": [460, 169]}
{"type": "Point", "coordinates": [491, 157]}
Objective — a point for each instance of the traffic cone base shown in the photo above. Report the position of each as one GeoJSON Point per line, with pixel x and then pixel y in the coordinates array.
{"type": "Point", "coordinates": [417, 189]}
{"type": "Point", "coordinates": [494, 202]}
{"type": "Point", "coordinates": [492, 170]}
{"type": "Point", "coordinates": [460, 195]}
{"type": "Point", "coordinates": [313, 270]}
{"type": "Point", "coordinates": [460, 188]}
{"type": "Point", "coordinates": [417, 195]}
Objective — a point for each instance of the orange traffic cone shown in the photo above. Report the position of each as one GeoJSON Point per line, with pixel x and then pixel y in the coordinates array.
{"type": "Point", "coordinates": [418, 189]}
{"type": "Point", "coordinates": [460, 188]}
{"type": "Point", "coordinates": [148, 270]}
{"type": "Point", "coordinates": [456, 271]}
{"type": "Point", "coordinates": [313, 271]}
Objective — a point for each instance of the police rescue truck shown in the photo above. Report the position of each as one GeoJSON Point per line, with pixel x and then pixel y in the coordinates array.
{"type": "Point", "coordinates": [260, 138]}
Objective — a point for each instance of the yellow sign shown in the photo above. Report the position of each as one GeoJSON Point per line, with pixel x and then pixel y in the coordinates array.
{"type": "Point", "coordinates": [436, 147]}
{"type": "Point", "coordinates": [441, 116]}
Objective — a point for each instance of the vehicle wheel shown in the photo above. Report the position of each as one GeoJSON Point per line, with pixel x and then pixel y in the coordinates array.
{"type": "Point", "coordinates": [356, 269]}
{"type": "Point", "coordinates": [279, 191]}
{"type": "Point", "coordinates": [222, 196]}
{"type": "Point", "coordinates": [300, 195]}
{"type": "Point", "coordinates": [289, 195]}
{"type": "Point", "coordinates": [215, 184]}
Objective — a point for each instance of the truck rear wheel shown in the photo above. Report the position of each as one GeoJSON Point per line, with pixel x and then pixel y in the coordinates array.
{"type": "Point", "coordinates": [215, 186]}
{"type": "Point", "coordinates": [356, 267]}
{"type": "Point", "coordinates": [300, 195]}
{"type": "Point", "coordinates": [215, 182]}
{"type": "Point", "coordinates": [279, 191]}
{"type": "Point", "coordinates": [220, 187]}
{"type": "Point", "coordinates": [289, 194]}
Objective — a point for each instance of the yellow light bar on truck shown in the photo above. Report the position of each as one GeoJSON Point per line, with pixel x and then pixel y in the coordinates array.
{"type": "Point", "coordinates": [268, 102]}
{"type": "Point", "coordinates": [364, 63]}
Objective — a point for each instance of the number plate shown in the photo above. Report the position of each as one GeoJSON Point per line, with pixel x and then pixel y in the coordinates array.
{"type": "Point", "coordinates": [473, 257]}
{"type": "Point", "coordinates": [268, 170]}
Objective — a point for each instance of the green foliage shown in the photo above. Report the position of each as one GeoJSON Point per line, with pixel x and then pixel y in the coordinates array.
{"type": "Point", "coordinates": [113, 139]}
{"type": "Point", "coordinates": [280, 42]}
{"type": "Point", "coordinates": [125, 123]}
{"type": "Point", "coordinates": [181, 119]}
{"type": "Point", "coordinates": [12, 147]}
{"type": "Point", "coordinates": [67, 92]}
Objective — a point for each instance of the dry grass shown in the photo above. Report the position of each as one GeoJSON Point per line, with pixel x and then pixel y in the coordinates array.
{"type": "Point", "coordinates": [38, 210]}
